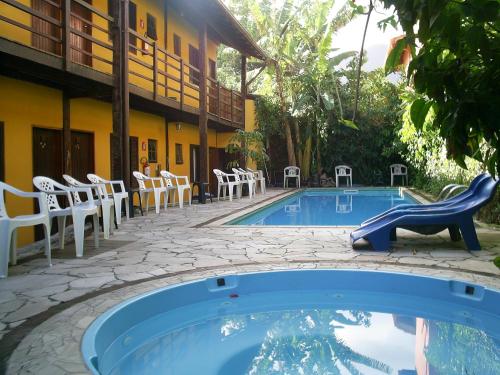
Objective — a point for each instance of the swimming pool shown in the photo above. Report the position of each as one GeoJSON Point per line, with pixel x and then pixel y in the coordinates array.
{"type": "Point", "coordinates": [326, 207]}
{"type": "Point", "coordinates": [293, 322]}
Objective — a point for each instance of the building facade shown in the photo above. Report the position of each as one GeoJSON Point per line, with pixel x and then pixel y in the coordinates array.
{"type": "Point", "coordinates": [108, 86]}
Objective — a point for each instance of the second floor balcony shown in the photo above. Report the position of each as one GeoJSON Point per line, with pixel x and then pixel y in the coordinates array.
{"type": "Point", "coordinates": [75, 37]}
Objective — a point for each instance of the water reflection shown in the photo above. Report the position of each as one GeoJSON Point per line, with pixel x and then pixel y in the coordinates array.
{"type": "Point", "coordinates": [317, 341]}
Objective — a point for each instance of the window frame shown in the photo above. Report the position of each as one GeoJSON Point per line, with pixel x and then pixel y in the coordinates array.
{"type": "Point", "coordinates": [132, 38]}
{"type": "Point", "coordinates": [177, 43]}
{"type": "Point", "coordinates": [155, 150]}
{"type": "Point", "coordinates": [150, 19]}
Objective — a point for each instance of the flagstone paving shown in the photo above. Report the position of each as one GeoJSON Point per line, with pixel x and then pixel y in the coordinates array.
{"type": "Point", "coordinates": [184, 244]}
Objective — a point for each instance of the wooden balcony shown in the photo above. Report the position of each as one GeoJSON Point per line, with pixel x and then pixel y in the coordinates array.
{"type": "Point", "coordinates": [69, 42]}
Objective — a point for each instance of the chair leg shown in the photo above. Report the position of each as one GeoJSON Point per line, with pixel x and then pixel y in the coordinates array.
{"type": "Point", "coordinates": [181, 197]}
{"type": "Point", "coordinates": [157, 195]}
{"type": "Point", "coordinates": [13, 247]}
{"type": "Point", "coordinates": [46, 229]}
{"type": "Point", "coordinates": [218, 192]}
{"type": "Point", "coordinates": [127, 208]}
{"type": "Point", "coordinates": [118, 211]}
{"type": "Point", "coordinates": [106, 221]}
{"type": "Point", "coordinates": [165, 200]}
{"type": "Point", "coordinates": [61, 226]}
{"type": "Point", "coordinates": [79, 229]}
{"type": "Point", "coordinates": [469, 234]}
{"type": "Point", "coordinates": [189, 197]}
{"type": "Point", "coordinates": [5, 238]}
{"type": "Point", "coordinates": [380, 241]}
{"type": "Point", "coordinates": [96, 232]}
{"type": "Point", "coordinates": [146, 195]}
{"type": "Point", "coordinates": [230, 189]}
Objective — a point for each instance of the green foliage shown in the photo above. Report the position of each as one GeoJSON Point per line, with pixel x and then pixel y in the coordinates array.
{"type": "Point", "coordinates": [247, 145]}
{"type": "Point", "coordinates": [496, 261]}
{"type": "Point", "coordinates": [456, 71]}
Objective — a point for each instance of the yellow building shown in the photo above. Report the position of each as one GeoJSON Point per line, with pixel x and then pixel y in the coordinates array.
{"type": "Point", "coordinates": [78, 95]}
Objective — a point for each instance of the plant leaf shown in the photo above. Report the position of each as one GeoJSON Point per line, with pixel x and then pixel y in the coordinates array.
{"type": "Point", "coordinates": [349, 124]}
{"type": "Point", "coordinates": [418, 112]}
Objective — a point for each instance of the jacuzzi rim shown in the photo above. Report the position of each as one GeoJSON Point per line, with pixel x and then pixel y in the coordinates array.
{"type": "Point", "coordinates": [87, 346]}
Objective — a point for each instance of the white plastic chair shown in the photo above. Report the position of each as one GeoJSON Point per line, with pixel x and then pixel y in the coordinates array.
{"type": "Point", "coordinates": [169, 185]}
{"type": "Point", "coordinates": [260, 179]}
{"type": "Point", "coordinates": [105, 203]}
{"type": "Point", "coordinates": [9, 225]}
{"type": "Point", "coordinates": [246, 178]}
{"type": "Point", "coordinates": [78, 209]}
{"type": "Point", "coordinates": [181, 185]}
{"type": "Point", "coordinates": [117, 196]}
{"type": "Point", "coordinates": [399, 170]}
{"type": "Point", "coordinates": [155, 189]}
{"type": "Point", "coordinates": [343, 171]}
{"type": "Point", "coordinates": [291, 172]}
{"type": "Point", "coordinates": [224, 180]}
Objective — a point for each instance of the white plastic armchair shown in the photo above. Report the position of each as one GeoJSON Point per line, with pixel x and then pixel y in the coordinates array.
{"type": "Point", "coordinates": [291, 172]}
{"type": "Point", "coordinates": [343, 171]}
{"type": "Point", "coordinates": [77, 208]}
{"type": "Point", "coordinates": [118, 196]}
{"type": "Point", "coordinates": [9, 225]}
{"type": "Point", "coordinates": [231, 181]}
{"type": "Point", "coordinates": [246, 178]}
{"type": "Point", "coordinates": [181, 185]}
{"type": "Point", "coordinates": [260, 179]}
{"type": "Point", "coordinates": [105, 202]}
{"type": "Point", "coordinates": [157, 188]}
{"type": "Point", "coordinates": [399, 170]}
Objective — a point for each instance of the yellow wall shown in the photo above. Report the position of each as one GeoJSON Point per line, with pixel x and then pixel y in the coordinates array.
{"type": "Point", "coordinates": [11, 32]}
{"type": "Point", "coordinates": [23, 106]}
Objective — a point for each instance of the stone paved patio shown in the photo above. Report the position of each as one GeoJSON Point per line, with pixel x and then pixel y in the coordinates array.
{"type": "Point", "coordinates": [46, 310]}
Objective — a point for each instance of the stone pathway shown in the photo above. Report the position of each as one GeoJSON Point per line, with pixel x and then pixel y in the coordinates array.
{"type": "Point", "coordinates": [190, 243]}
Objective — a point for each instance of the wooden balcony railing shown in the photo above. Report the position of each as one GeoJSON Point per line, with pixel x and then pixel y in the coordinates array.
{"type": "Point", "coordinates": [80, 33]}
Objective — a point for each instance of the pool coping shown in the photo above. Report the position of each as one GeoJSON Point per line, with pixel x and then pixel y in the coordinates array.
{"type": "Point", "coordinates": [224, 220]}
{"type": "Point", "coordinates": [94, 304]}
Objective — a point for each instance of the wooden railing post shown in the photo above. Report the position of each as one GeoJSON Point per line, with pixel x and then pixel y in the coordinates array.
{"type": "Point", "coordinates": [218, 98]}
{"type": "Point", "coordinates": [232, 119]}
{"type": "Point", "coordinates": [182, 82]}
{"type": "Point", "coordinates": [155, 71]}
{"type": "Point", "coordinates": [66, 39]}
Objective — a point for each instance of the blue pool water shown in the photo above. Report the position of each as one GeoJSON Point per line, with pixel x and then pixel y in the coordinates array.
{"type": "Point", "coordinates": [326, 207]}
{"type": "Point", "coordinates": [302, 322]}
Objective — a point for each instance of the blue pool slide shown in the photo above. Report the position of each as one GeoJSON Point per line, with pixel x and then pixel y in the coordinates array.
{"type": "Point", "coordinates": [456, 216]}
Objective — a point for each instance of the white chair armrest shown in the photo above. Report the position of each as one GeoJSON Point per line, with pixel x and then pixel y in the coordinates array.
{"type": "Point", "coordinates": [118, 182]}
{"type": "Point", "coordinates": [42, 203]}
{"type": "Point", "coordinates": [185, 178]}
{"type": "Point", "coordinates": [86, 190]}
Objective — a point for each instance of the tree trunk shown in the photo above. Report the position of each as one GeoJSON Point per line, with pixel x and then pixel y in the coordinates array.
{"type": "Point", "coordinates": [306, 160]}
{"type": "Point", "coordinates": [288, 133]}
{"type": "Point", "coordinates": [298, 143]}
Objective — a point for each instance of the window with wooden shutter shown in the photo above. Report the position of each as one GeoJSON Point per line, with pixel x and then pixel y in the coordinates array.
{"type": "Point", "coordinates": [177, 45]}
{"type": "Point", "coordinates": [151, 30]}
{"type": "Point", "coordinates": [152, 151]}
{"type": "Point", "coordinates": [194, 60]}
{"type": "Point", "coordinates": [132, 24]}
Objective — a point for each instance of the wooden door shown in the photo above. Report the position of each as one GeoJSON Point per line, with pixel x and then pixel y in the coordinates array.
{"type": "Point", "coordinates": [81, 48]}
{"type": "Point", "coordinates": [47, 153]}
{"type": "Point", "coordinates": [217, 160]}
{"type": "Point", "coordinates": [48, 162]}
{"type": "Point", "coordinates": [194, 163]}
{"type": "Point", "coordinates": [50, 33]}
{"type": "Point", "coordinates": [134, 160]}
{"type": "Point", "coordinates": [82, 155]}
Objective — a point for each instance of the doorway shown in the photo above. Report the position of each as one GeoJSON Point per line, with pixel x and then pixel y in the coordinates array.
{"type": "Point", "coordinates": [134, 160]}
{"type": "Point", "coordinates": [82, 155]}
{"type": "Point", "coordinates": [217, 160]}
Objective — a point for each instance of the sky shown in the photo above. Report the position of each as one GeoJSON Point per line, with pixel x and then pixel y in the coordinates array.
{"type": "Point", "coordinates": [350, 37]}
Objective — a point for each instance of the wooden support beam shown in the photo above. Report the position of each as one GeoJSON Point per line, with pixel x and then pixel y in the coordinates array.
{"type": "Point", "coordinates": [66, 133]}
{"type": "Point", "coordinates": [243, 97]}
{"type": "Point", "coordinates": [124, 93]}
{"type": "Point", "coordinates": [203, 118]}
{"type": "Point", "coordinates": [167, 150]}
{"type": "Point", "coordinates": [66, 34]}
{"type": "Point", "coordinates": [116, 104]}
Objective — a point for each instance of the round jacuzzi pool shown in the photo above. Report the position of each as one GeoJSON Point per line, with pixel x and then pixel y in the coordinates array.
{"type": "Point", "coordinates": [301, 322]}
